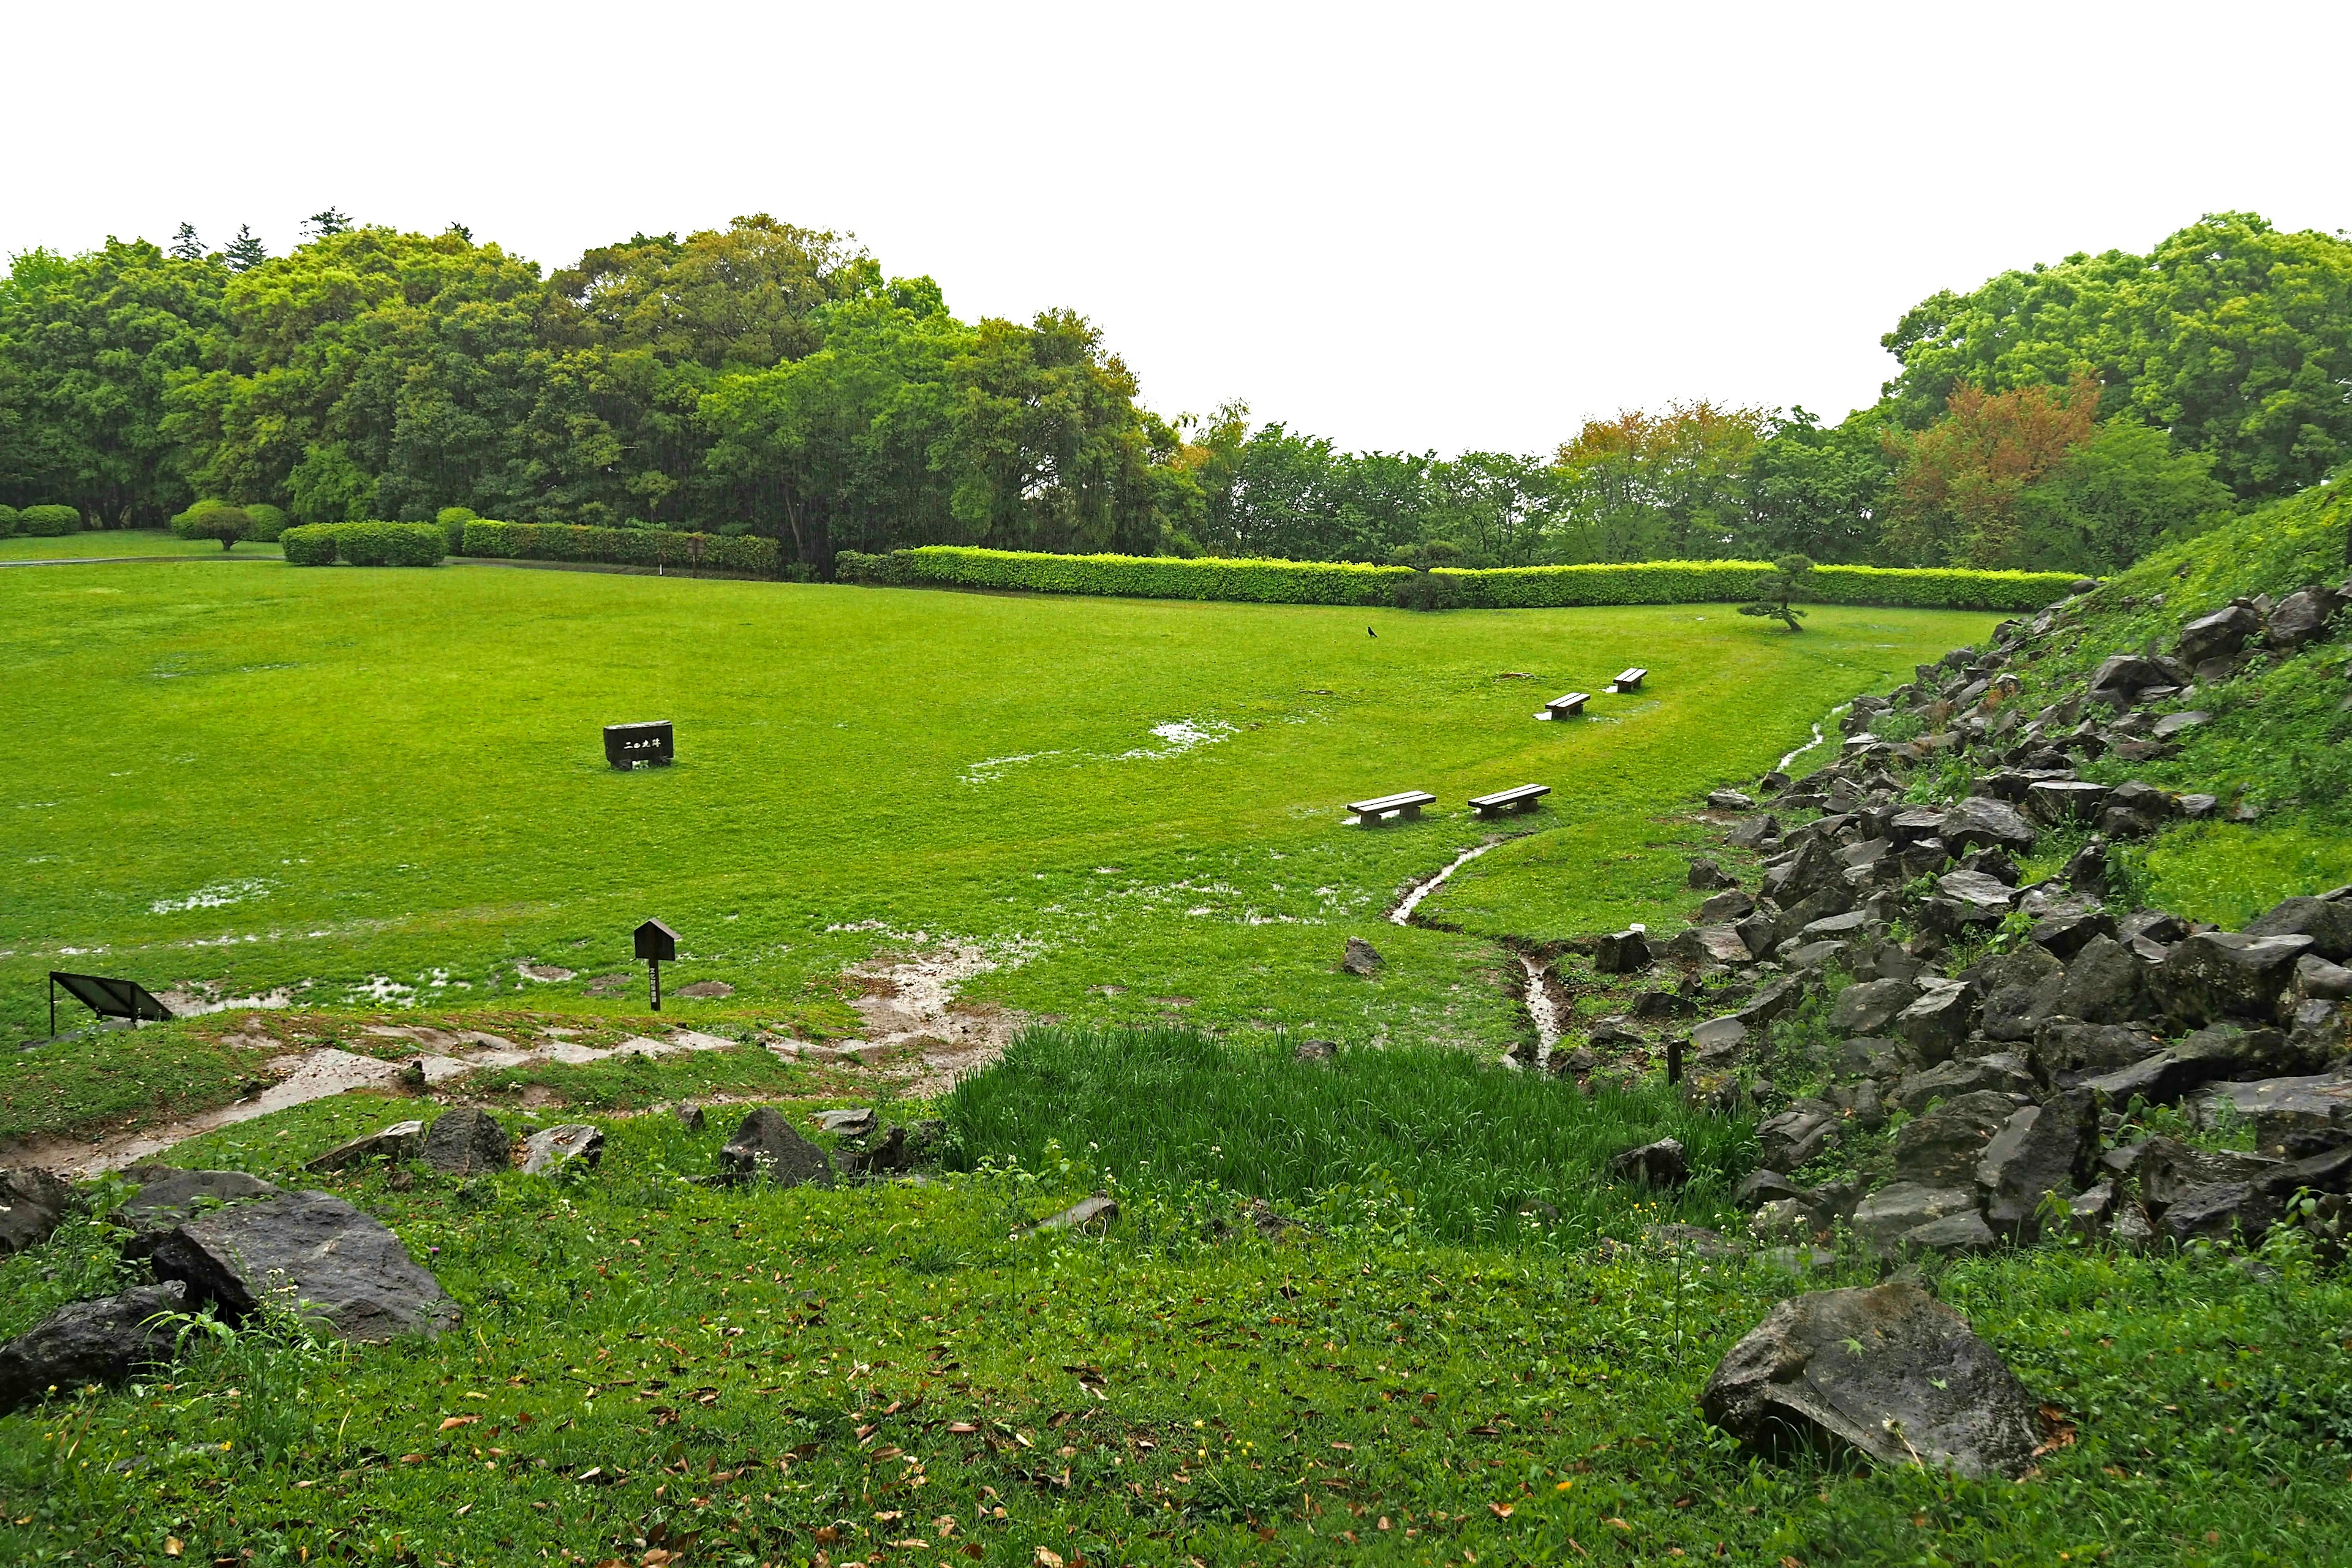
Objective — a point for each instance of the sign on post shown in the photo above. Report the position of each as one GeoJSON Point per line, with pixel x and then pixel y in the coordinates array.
{"type": "Point", "coordinates": [655, 944]}
{"type": "Point", "coordinates": [653, 743]}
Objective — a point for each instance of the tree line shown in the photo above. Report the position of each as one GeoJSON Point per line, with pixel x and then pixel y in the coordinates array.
{"type": "Point", "coordinates": [771, 379]}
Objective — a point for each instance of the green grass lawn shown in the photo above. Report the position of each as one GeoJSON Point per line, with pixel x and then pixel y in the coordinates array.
{"type": "Point", "coordinates": [801, 1376]}
{"type": "Point", "coordinates": [389, 783]}
{"type": "Point", "coordinates": [122, 541]}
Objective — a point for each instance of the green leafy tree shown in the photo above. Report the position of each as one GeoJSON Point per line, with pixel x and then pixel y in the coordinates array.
{"type": "Point", "coordinates": [1777, 600]}
{"type": "Point", "coordinates": [1424, 590]}
{"type": "Point", "coordinates": [213, 519]}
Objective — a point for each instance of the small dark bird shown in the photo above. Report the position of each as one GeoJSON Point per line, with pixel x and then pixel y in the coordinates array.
{"type": "Point", "coordinates": [1370, 633]}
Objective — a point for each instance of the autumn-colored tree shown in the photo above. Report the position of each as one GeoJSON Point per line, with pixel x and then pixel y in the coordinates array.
{"type": "Point", "coordinates": [1957, 483]}
{"type": "Point", "coordinates": [1647, 486]}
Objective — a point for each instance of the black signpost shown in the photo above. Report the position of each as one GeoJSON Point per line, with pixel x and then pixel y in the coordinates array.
{"type": "Point", "coordinates": [108, 998]}
{"type": "Point", "coordinates": [654, 744]}
{"type": "Point", "coordinates": [656, 942]}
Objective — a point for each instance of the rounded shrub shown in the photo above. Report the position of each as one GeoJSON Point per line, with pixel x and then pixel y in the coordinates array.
{"type": "Point", "coordinates": [312, 544]}
{"type": "Point", "coordinates": [7, 520]}
{"type": "Point", "coordinates": [392, 544]}
{"type": "Point", "coordinates": [453, 520]}
{"type": "Point", "coordinates": [264, 521]}
{"type": "Point", "coordinates": [214, 520]}
{"type": "Point", "coordinates": [49, 521]}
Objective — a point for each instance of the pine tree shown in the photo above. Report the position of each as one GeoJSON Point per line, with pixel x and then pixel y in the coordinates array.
{"type": "Point", "coordinates": [186, 246]}
{"type": "Point", "coordinates": [324, 224]}
{"type": "Point", "coordinates": [244, 252]}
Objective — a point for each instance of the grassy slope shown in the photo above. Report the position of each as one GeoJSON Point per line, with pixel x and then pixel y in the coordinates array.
{"type": "Point", "coordinates": [758, 1369]}
{"type": "Point", "coordinates": [329, 776]}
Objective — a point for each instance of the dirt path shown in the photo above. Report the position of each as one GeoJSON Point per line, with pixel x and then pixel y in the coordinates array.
{"type": "Point", "coordinates": [916, 1029]}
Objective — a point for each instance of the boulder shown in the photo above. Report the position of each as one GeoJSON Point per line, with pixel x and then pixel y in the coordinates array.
{"type": "Point", "coordinates": [2219, 635]}
{"type": "Point", "coordinates": [2105, 983]}
{"type": "Point", "coordinates": [1775, 1001]}
{"type": "Point", "coordinates": [336, 1264]}
{"type": "Point", "coordinates": [1888, 1370]}
{"type": "Point", "coordinates": [692, 1117]}
{"type": "Point", "coordinates": [2327, 922]}
{"type": "Point", "coordinates": [1834, 928]}
{"type": "Point", "coordinates": [550, 1150]}
{"type": "Point", "coordinates": [1612, 1030]}
{"type": "Point", "coordinates": [1954, 1236]}
{"type": "Point", "coordinates": [2042, 1150]}
{"type": "Point", "coordinates": [1706, 873]}
{"type": "Point", "coordinates": [2321, 1029]}
{"type": "Point", "coordinates": [1870, 1057]}
{"type": "Point", "coordinates": [2067, 1051]}
{"type": "Point", "coordinates": [889, 1153]}
{"type": "Point", "coordinates": [2001, 1071]}
{"type": "Point", "coordinates": [1662, 1005]}
{"type": "Point", "coordinates": [1941, 1147]}
{"type": "Point", "coordinates": [84, 1343]}
{"type": "Point", "coordinates": [1724, 908]}
{"type": "Point", "coordinates": [852, 1121]}
{"type": "Point", "coordinates": [1316, 1050]}
{"type": "Point", "coordinates": [2173, 725]}
{"type": "Point", "coordinates": [2316, 977]}
{"type": "Point", "coordinates": [1793, 1138]}
{"type": "Point", "coordinates": [1813, 955]}
{"type": "Point", "coordinates": [2122, 677]}
{"type": "Point", "coordinates": [1988, 895]}
{"type": "Point", "coordinates": [766, 1148]}
{"type": "Point", "coordinates": [168, 1197]}
{"type": "Point", "coordinates": [1754, 832]}
{"type": "Point", "coordinates": [465, 1142]}
{"type": "Point", "coordinates": [1729, 800]}
{"type": "Point", "coordinates": [2056, 801]}
{"type": "Point", "coordinates": [1763, 1187]}
{"type": "Point", "coordinates": [1933, 1026]}
{"type": "Point", "coordinates": [1658, 1164]}
{"type": "Point", "coordinates": [1361, 957]}
{"type": "Point", "coordinates": [1914, 823]}
{"type": "Point", "coordinates": [2301, 617]}
{"type": "Point", "coordinates": [1760, 932]}
{"type": "Point", "coordinates": [2068, 929]}
{"type": "Point", "coordinates": [397, 1142]}
{"type": "Point", "coordinates": [2220, 974]}
{"type": "Point", "coordinates": [33, 1204]}
{"type": "Point", "coordinates": [1718, 1036]}
{"type": "Point", "coordinates": [1621, 952]}
{"type": "Point", "coordinates": [1868, 1006]}
{"type": "Point", "coordinates": [2284, 1108]}
{"type": "Point", "coordinates": [1883, 1219]}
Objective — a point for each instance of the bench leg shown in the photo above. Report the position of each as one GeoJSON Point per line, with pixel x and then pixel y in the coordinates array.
{"type": "Point", "coordinates": [1411, 814]}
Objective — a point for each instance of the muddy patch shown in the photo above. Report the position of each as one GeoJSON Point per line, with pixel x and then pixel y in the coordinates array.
{"type": "Point", "coordinates": [916, 1028]}
{"type": "Point", "coordinates": [194, 998]}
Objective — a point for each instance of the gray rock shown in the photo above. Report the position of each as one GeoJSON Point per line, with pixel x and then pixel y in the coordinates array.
{"type": "Point", "coordinates": [1920, 1390]}
{"type": "Point", "coordinates": [2220, 974]}
{"type": "Point", "coordinates": [889, 1153]}
{"type": "Point", "coordinates": [33, 1204]}
{"type": "Point", "coordinates": [1754, 832]}
{"type": "Point", "coordinates": [1621, 952]}
{"type": "Point", "coordinates": [397, 1142]}
{"type": "Point", "coordinates": [550, 1149]}
{"type": "Point", "coordinates": [2327, 922]}
{"type": "Point", "coordinates": [2302, 616]}
{"type": "Point", "coordinates": [2067, 1051]}
{"type": "Point", "coordinates": [1834, 928]}
{"type": "Point", "coordinates": [1954, 1236]}
{"type": "Point", "coordinates": [84, 1343]}
{"type": "Point", "coordinates": [1711, 944]}
{"type": "Point", "coordinates": [765, 1148]}
{"type": "Point", "coordinates": [336, 1264]}
{"type": "Point", "coordinates": [2068, 929]}
{"type": "Point", "coordinates": [1987, 894]}
{"type": "Point", "coordinates": [1941, 1147]}
{"type": "Point", "coordinates": [1718, 1036]}
{"type": "Point", "coordinates": [1361, 957]}
{"type": "Point", "coordinates": [2213, 1212]}
{"type": "Point", "coordinates": [2197, 808]}
{"type": "Point", "coordinates": [1729, 800]}
{"type": "Point", "coordinates": [2123, 676]}
{"type": "Point", "coordinates": [2041, 1151]}
{"type": "Point", "coordinates": [1724, 908]}
{"type": "Point", "coordinates": [1760, 932]}
{"type": "Point", "coordinates": [1977, 822]}
{"type": "Point", "coordinates": [1659, 1165]}
{"type": "Point", "coordinates": [1914, 823]}
{"type": "Point", "coordinates": [168, 1197]}
{"type": "Point", "coordinates": [2321, 1029]}
{"type": "Point", "coordinates": [1883, 1219]}
{"type": "Point", "coordinates": [692, 1117]}
{"type": "Point", "coordinates": [1868, 1006]}
{"type": "Point", "coordinates": [1316, 1050]}
{"type": "Point", "coordinates": [1783, 1219]}
{"type": "Point", "coordinates": [1763, 1186]}
{"type": "Point", "coordinates": [1655, 1005]}
{"type": "Point", "coordinates": [1933, 1026]}
{"type": "Point", "coordinates": [1775, 1001]}
{"type": "Point", "coordinates": [1706, 873]}
{"type": "Point", "coordinates": [2316, 977]}
{"type": "Point", "coordinates": [1095, 1213]}
{"type": "Point", "coordinates": [2219, 635]}
{"type": "Point", "coordinates": [1813, 955]}
{"type": "Point", "coordinates": [1695, 1239]}
{"type": "Point", "coordinates": [2281, 1108]}
{"type": "Point", "coordinates": [2056, 801]}
{"type": "Point", "coordinates": [852, 1121]}
{"type": "Point", "coordinates": [1793, 1138]}
{"type": "Point", "coordinates": [2000, 1071]}
{"type": "Point", "coordinates": [1872, 1057]}
{"type": "Point", "coordinates": [1573, 1063]}
{"type": "Point", "coordinates": [2176, 724]}
{"type": "Point", "coordinates": [2169, 1170]}
{"type": "Point", "coordinates": [464, 1141]}
{"type": "Point", "coordinates": [2105, 983]}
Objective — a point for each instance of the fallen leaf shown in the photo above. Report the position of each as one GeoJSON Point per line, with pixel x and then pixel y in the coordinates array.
{"type": "Point", "coordinates": [890, 1517]}
{"type": "Point", "coordinates": [459, 1421]}
{"type": "Point", "coordinates": [173, 1546]}
{"type": "Point", "coordinates": [1048, 1558]}
{"type": "Point", "coordinates": [962, 1428]}
{"type": "Point", "coordinates": [1616, 1523]}
{"type": "Point", "coordinates": [412, 1459]}
{"type": "Point", "coordinates": [1499, 1510]}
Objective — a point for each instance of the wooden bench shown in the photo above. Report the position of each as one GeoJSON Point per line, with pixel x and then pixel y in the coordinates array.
{"type": "Point", "coordinates": [1405, 806]}
{"type": "Point", "coordinates": [1628, 679]}
{"type": "Point", "coordinates": [1567, 707]}
{"type": "Point", "coordinates": [1523, 798]}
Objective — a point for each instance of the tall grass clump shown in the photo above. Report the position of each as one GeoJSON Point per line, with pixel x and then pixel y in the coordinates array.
{"type": "Point", "coordinates": [1473, 1149]}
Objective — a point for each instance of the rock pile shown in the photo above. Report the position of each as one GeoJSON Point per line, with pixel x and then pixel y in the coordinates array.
{"type": "Point", "coordinates": [2016, 1022]}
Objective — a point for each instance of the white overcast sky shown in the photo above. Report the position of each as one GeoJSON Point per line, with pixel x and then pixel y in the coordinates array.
{"type": "Point", "coordinates": [1447, 226]}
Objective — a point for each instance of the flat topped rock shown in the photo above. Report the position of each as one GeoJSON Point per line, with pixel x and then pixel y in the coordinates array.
{"type": "Point", "coordinates": [33, 1204]}
{"type": "Point", "coordinates": [82, 1342]}
{"type": "Point", "coordinates": [553, 1148]}
{"type": "Point", "coordinates": [397, 1142]}
{"type": "Point", "coordinates": [1888, 1370]}
{"type": "Point", "coordinates": [344, 1269]}
{"type": "Point", "coordinates": [169, 1196]}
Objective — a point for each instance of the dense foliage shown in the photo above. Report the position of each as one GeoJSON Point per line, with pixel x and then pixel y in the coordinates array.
{"type": "Point", "coordinates": [770, 380]}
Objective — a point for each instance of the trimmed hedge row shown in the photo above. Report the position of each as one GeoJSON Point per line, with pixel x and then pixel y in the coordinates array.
{"type": "Point", "coordinates": [622, 546]}
{"type": "Point", "coordinates": [1511, 588]}
{"type": "Point", "coordinates": [366, 544]}
{"type": "Point", "coordinates": [42, 521]}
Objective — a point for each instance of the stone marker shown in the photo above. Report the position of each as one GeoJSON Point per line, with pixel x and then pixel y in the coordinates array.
{"type": "Point", "coordinates": [82, 1342]}
{"type": "Point", "coordinates": [1361, 957]}
{"type": "Point", "coordinates": [33, 1204]}
{"type": "Point", "coordinates": [765, 1147]}
{"type": "Point", "coordinates": [1922, 1389]}
{"type": "Point", "coordinates": [397, 1142]}
{"type": "Point", "coordinates": [465, 1141]}
{"type": "Point", "coordinates": [345, 1270]}
{"type": "Point", "coordinates": [553, 1148]}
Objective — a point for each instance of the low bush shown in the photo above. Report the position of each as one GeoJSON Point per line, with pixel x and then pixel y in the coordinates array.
{"type": "Point", "coordinates": [312, 544]}
{"type": "Point", "coordinates": [366, 544]}
{"type": "Point", "coordinates": [7, 520]}
{"type": "Point", "coordinates": [659, 547]}
{"type": "Point", "coordinates": [49, 521]}
{"type": "Point", "coordinates": [1510, 587]}
{"type": "Point", "coordinates": [453, 520]}
{"type": "Point", "coordinates": [264, 523]}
